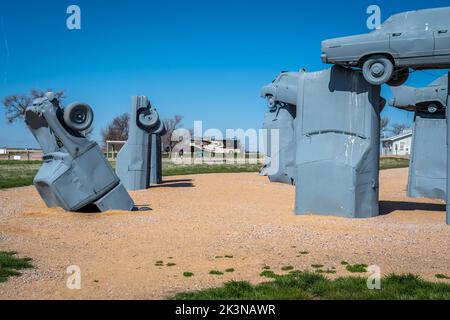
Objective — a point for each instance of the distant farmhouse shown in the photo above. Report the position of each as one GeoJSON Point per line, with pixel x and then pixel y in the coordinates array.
{"type": "Point", "coordinates": [399, 145]}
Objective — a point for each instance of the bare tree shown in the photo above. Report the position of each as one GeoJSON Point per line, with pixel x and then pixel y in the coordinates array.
{"type": "Point", "coordinates": [171, 125]}
{"type": "Point", "coordinates": [384, 125]}
{"type": "Point", "coordinates": [16, 104]}
{"type": "Point", "coordinates": [397, 128]}
{"type": "Point", "coordinates": [117, 130]}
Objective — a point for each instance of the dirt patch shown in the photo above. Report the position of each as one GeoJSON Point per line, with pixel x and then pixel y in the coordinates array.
{"type": "Point", "coordinates": [191, 223]}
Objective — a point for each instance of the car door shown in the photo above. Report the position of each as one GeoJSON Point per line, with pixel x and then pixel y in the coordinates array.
{"type": "Point", "coordinates": [442, 45]}
{"type": "Point", "coordinates": [414, 46]}
{"type": "Point", "coordinates": [287, 89]}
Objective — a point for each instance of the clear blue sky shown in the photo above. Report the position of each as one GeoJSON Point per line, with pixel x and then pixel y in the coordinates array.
{"type": "Point", "coordinates": [206, 60]}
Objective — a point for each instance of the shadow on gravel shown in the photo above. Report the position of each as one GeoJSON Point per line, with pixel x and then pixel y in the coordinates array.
{"type": "Point", "coordinates": [387, 207]}
{"type": "Point", "coordinates": [179, 183]}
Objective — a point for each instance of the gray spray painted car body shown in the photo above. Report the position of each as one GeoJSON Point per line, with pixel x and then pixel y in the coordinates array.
{"type": "Point", "coordinates": [75, 174]}
{"type": "Point", "coordinates": [337, 144]}
{"type": "Point", "coordinates": [279, 144]}
{"type": "Point", "coordinates": [282, 90]}
{"type": "Point", "coordinates": [421, 99]}
{"type": "Point", "coordinates": [416, 39]}
{"type": "Point", "coordinates": [428, 165]}
{"type": "Point", "coordinates": [419, 39]}
{"type": "Point", "coordinates": [134, 164]}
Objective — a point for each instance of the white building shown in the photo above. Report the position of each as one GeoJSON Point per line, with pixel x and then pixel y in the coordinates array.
{"type": "Point", "coordinates": [399, 145]}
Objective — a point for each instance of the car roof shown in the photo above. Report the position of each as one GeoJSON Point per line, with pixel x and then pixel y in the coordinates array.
{"type": "Point", "coordinates": [291, 73]}
{"type": "Point", "coordinates": [432, 13]}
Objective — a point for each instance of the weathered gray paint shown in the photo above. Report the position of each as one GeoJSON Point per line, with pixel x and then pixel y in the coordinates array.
{"type": "Point", "coordinates": [134, 162]}
{"type": "Point", "coordinates": [283, 89]}
{"type": "Point", "coordinates": [155, 157]}
{"type": "Point", "coordinates": [337, 144]}
{"type": "Point", "coordinates": [448, 151]}
{"type": "Point", "coordinates": [419, 99]}
{"type": "Point", "coordinates": [428, 165]}
{"type": "Point", "coordinates": [75, 174]}
{"type": "Point", "coordinates": [280, 153]}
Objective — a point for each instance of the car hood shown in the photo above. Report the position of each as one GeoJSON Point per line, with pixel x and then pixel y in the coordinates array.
{"type": "Point", "coordinates": [337, 42]}
{"type": "Point", "coordinates": [268, 89]}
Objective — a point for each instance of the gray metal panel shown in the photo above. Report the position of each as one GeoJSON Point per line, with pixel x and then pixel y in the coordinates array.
{"type": "Point", "coordinates": [281, 153]}
{"type": "Point", "coordinates": [337, 144]}
{"type": "Point", "coordinates": [155, 160]}
{"type": "Point", "coordinates": [428, 165]}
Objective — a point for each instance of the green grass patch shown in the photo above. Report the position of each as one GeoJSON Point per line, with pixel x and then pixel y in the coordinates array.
{"type": "Point", "coordinates": [300, 285]}
{"type": "Point", "coordinates": [304, 252]}
{"type": "Point", "coordinates": [317, 266]}
{"type": "Point", "coordinates": [216, 272]}
{"type": "Point", "coordinates": [330, 271]}
{"type": "Point", "coordinates": [10, 264]}
{"type": "Point", "coordinates": [229, 270]}
{"type": "Point", "coordinates": [17, 173]}
{"type": "Point", "coordinates": [268, 274]}
{"type": "Point", "coordinates": [172, 169]}
{"type": "Point", "coordinates": [344, 263]}
{"type": "Point", "coordinates": [229, 256]}
{"type": "Point", "coordinates": [357, 268]}
{"type": "Point", "coordinates": [171, 264]}
{"type": "Point", "coordinates": [392, 163]}
{"type": "Point", "coordinates": [287, 268]}
{"type": "Point", "coordinates": [442, 276]}
{"type": "Point", "coordinates": [188, 274]}
{"type": "Point", "coordinates": [266, 268]}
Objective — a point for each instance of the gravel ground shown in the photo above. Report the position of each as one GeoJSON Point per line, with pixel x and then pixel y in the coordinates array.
{"type": "Point", "coordinates": [193, 220]}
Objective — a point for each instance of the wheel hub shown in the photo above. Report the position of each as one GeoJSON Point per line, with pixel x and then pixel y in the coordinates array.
{"type": "Point", "coordinates": [377, 69]}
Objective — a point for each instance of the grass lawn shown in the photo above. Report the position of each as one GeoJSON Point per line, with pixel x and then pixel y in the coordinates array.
{"type": "Point", "coordinates": [171, 169]}
{"type": "Point", "coordinates": [9, 265]}
{"type": "Point", "coordinates": [299, 285]}
{"type": "Point", "coordinates": [21, 173]}
{"type": "Point", "coordinates": [392, 163]}
{"type": "Point", "coordinates": [17, 173]}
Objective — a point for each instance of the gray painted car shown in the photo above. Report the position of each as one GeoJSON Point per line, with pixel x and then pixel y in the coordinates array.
{"type": "Point", "coordinates": [282, 90]}
{"type": "Point", "coordinates": [414, 39]}
{"type": "Point", "coordinates": [431, 98]}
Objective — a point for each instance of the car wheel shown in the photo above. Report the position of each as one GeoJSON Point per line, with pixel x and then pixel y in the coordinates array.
{"type": "Point", "coordinates": [432, 108]}
{"type": "Point", "coordinates": [378, 70]}
{"type": "Point", "coordinates": [78, 116]}
{"type": "Point", "coordinates": [271, 102]}
{"type": "Point", "coordinates": [399, 78]}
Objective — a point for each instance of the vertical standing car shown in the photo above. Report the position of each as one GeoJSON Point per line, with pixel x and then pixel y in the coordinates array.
{"type": "Point", "coordinates": [414, 39]}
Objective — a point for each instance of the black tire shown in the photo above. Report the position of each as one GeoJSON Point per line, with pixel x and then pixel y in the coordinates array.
{"type": "Point", "coordinates": [78, 116]}
{"type": "Point", "coordinates": [378, 70]}
{"type": "Point", "coordinates": [399, 78]}
{"type": "Point", "coordinates": [147, 118]}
